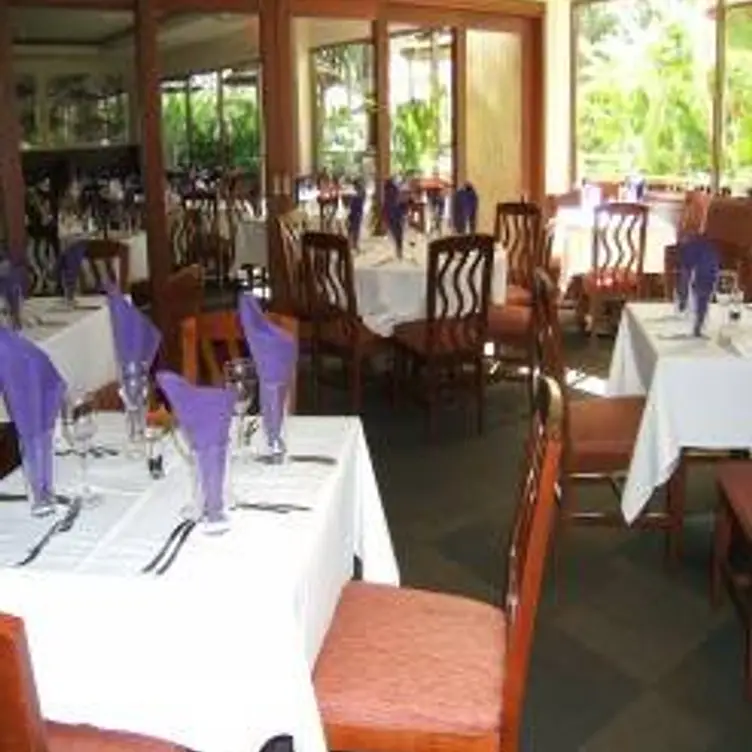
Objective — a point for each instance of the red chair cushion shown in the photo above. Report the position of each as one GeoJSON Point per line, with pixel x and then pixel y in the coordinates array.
{"type": "Point", "coordinates": [602, 433]}
{"type": "Point", "coordinates": [450, 338]}
{"type": "Point", "coordinates": [337, 333]}
{"type": "Point", "coordinates": [64, 738]}
{"type": "Point", "coordinates": [397, 659]}
{"type": "Point", "coordinates": [510, 323]}
{"type": "Point", "coordinates": [517, 295]}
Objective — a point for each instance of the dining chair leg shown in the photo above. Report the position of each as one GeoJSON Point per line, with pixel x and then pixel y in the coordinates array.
{"type": "Point", "coordinates": [431, 396]}
{"type": "Point", "coordinates": [748, 659]}
{"type": "Point", "coordinates": [480, 394]}
{"type": "Point", "coordinates": [721, 546]}
{"type": "Point", "coordinates": [675, 501]}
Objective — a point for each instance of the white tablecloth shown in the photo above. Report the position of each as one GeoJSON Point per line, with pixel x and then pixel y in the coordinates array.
{"type": "Point", "coordinates": [573, 242]}
{"type": "Point", "coordinates": [217, 654]}
{"type": "Point", "coordinates": [392, 292]}
{"type": "Point", "coordinates": [78, 342]}
{"type": "Point", "coordinates": [138, 260]}
{"type": "Point", "coordinates": [698, 391]}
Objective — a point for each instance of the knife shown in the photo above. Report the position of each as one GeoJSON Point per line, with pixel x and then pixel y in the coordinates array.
{"type": "Point", "coordinates": [182, 538]}
{"type": "Point", "coordinates": [63, 525]}
{"type": "Point", "coordinates": [171, 538]}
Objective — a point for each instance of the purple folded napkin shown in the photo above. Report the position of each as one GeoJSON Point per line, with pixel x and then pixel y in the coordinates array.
{"type": "Point", "coordinates": [69, 266]}
{"type": "Point", "coordinates": [204, 414]}
{"type": "Point", "coordinates": [274, 352]}
{"type": "Point", "coordinates": [12, 285]}
{"type": "Point", "coordinates": [355, 216]}
{"type": "Point", "coordinates": [33, 391]}
{"type": "Point", "coordinates": [698, 263]}
{"type": "Point", "coordinates": [394, 213]}
{"type": "Point", "coordinates": [136, 338]}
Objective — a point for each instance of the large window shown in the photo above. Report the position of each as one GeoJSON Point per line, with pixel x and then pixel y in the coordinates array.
{"type": "Point", "coordinates": [212, 119]}
{"type": "Point", "coordinates": [644, 76]}
{"type": "Point", "coordinates": [420, 97]}
{"type": "Point", "coordinates": [343, 79]}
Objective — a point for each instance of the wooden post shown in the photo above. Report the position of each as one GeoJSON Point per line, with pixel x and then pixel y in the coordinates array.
{"type": "Point", "coordinates": [159, 253]}
{"type": "Point", "coordinates": [459, 106]}
{"type": "Point", "coordinates": [12, 186]}
{"type": "Point", "coordinates": [380, 33]}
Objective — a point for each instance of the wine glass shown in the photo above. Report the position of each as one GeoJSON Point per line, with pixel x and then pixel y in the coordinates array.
{"type": "Point", "coordinates": [725, 286]}
{"type": "Point", "coordinates": [79, 426]}
{"type": "Point", "coordinates": [134, 392]}
{"type": "Point", "coordinates": [240, 377]}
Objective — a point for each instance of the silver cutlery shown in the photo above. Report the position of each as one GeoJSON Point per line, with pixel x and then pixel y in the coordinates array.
{"type": "Point", "coordinates": [251, 429]}
{"type": "Point", "coordinates": [63, 525]}
{"type": "Point", "coordinates": [182, 538]}
{"type": "Point", "coordinates": [280, 508]}
{"type": "Point", "coordinates": [318, 459]}
{"type": "Point", "coordinates": [171, 538]}
{"type": "Point", "coordinates": [13, 497]}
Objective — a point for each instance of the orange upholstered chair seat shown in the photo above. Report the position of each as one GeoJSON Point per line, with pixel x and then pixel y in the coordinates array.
{"type": "Point", "coordinates": [450, 337]}
{"type": "Point", "coordinates": [517, 295]}
{"type": "Point", "coordinates": [602, 433]}
{"type": "Point", "coordinates": [344, 335]}
{"type": "Point", "coordinates": [401, 660]}
{"type": "Point", "coordinates": [611, 280]}
{"type": "Point", "coordinates": [64, 738]}
{"type": "Point", "coordinates": [509, 322]}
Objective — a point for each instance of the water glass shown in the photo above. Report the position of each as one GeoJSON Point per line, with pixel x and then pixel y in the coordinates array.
{"type": "Point", "coordinates": [79, 426]}
{"type": "Point", "coordinates": [134, 392]}
{"type": "Point", "coordinates": [726, 284]}
{"type": "Point", "coordinates": [273, 398]}
{"type": "Point", "coordinates": [36, 457]}
{"type": "Point", "coordinates": [240, 377]}
{"type": "Point", "coordinates": [210, 481]}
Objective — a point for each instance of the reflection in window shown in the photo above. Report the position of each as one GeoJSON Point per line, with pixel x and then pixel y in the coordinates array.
{"type": "Point", "coordinates": [420, 80]}
{"type": "Point", "coordinates": [26, 96]}
{"type": "Point", "coordinates": [241, 117]}
{"type": "Point", "coordinates": [643, 89]}
{"type": "Point", "coordinates": [343, 85]}
{"type": "Point", "coordinates": [85, 109]}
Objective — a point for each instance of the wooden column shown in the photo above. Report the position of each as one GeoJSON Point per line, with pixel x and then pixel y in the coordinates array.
{"type": "Point", "coordinates": [12, 186]}
{"type": "Point", "coordinates": [459, 106]}
{"type": "Point", "coordinates": [380, 32]}
{"type": "Point", "coordinates": [159, 252]}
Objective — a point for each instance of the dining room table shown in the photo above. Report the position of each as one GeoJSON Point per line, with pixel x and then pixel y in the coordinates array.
{"type": "Point", "coordinates": [216, 653]}
{"type": "Point", "coordinates": [392, 290]}
{"type": "Point", "coordinates": [696, 389]}
{"type": "Point", "coordinates": [77, 339]}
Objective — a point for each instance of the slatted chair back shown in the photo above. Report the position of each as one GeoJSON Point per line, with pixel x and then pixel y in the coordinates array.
{"type": "Point", "coordinates": [210, 339]}
{"type": "Point", "coordinates": [518, 228]}
{"type": "Point", "coordinates": [183, 298]}
{"type": "Point", "coordinates": [528, 547]}
{"type": "Point", "coordinates": [618, 241]}
{"type": "Point", "coordinates": [458, 291]}
{"type": "Point", "coordinates": [106, 262]}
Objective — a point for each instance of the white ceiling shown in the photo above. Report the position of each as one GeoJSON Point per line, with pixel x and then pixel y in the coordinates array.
{"type": "Point", "coordinates": [63, 26]}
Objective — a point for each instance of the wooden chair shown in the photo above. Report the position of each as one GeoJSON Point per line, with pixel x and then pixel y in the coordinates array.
{"type": "Point", "coordinates": [599, 435]}
{"type": "Point", "coordinates": [519, 229]}
{"type": "Point", "coordinates": [183, 297]}
{"type": "Point", "coordinates": [105, 262]}
{"type": "Point", "coordinates": [732, 548]}
{"type": "Point", "coordinates": [337, 329]}
{"type": "Point", "coordinates": [209, 339]}
{"type": "Point", "coordinates": [22, 727]}
{"type": "Point", "coordinates": [328, 207]}
{"type": "Point", "coordinates": [619, 238]}
{"type": "Point", "coordinates": [447, 347]}
{"type": "Point", "coordinates": [405, 670]}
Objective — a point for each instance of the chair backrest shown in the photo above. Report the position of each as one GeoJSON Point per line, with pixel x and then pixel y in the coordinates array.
{"type": "Point", "coordinates": [619, 237]}
{"type": "Point", "coordinates": [21, 724]}
{"type": "Point", "coordinates": [518, 228]}
{"type": "Point", "coordinates": [183, 297]}
{"type": "Point", "coordinates": [328, 276]}
{"type": "Point", "coordinates": [210, 339]}
{"type": "Point", "coordinates": [328, 206]}
{"type": "Point", "coordinates": [459, 290]}
{"type": "Point", "coordinates": [291, 295]}
{"type": "Point", "coordinates": [528, 547]}
{"type": "Point", "coordinates": [105, 262]}
{"type": "Point", "coordinates": [729, 220]}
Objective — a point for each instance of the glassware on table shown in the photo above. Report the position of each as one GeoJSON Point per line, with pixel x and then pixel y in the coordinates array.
{"type": "Point", "coordinates": [37, 463]}
{"type": "Point", "coordinates": [726, 284]}
{"type": "Point", "coordinates": [79, 425]}
{"type": "Point", "coordinates": [273, 403]}
{"type": "Point", "coordinates": [134, 392]}
{"type": "Point", "coordinates": [240, 377]}
{"type": "Point", "coordinates": [210, 479]}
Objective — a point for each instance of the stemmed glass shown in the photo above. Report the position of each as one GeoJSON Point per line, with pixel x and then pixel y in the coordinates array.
{"type": "Point", "coordinates": [240, 376]}
{"type": "Point", "coordinates": [79, 426]}
{"type": "Point", "coordinates": [134, 392]}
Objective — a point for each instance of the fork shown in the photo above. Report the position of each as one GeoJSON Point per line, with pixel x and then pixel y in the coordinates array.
{"type": "Point", "coordinates": [62, 525]}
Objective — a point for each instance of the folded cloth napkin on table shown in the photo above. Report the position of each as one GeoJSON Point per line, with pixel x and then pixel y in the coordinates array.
{"type": "Point", "coordinates": [465, 209]}
{"type": "Point", "coordinates": [698, 266]}
{"type": "Point", "coordinates": [204, 414]}
{"type": "Point", "coordinates": [33, 391]}
{"type": "Point", "coordinates": [13, 280]}
{"type": "Point", "coordinates": [394, 213]}
{"type": "Point", "coordinates": [69, 264]}
{"type": "Point", "coordinates": [355, 216]}
{"type": "Point", "coordinates": [136, 338]}
{"type": "Point", "coordinates": [275, 353]}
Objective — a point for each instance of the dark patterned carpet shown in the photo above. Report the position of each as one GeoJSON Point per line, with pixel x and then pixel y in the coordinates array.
{"type": "Point", "coordinates": [627, 657]}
